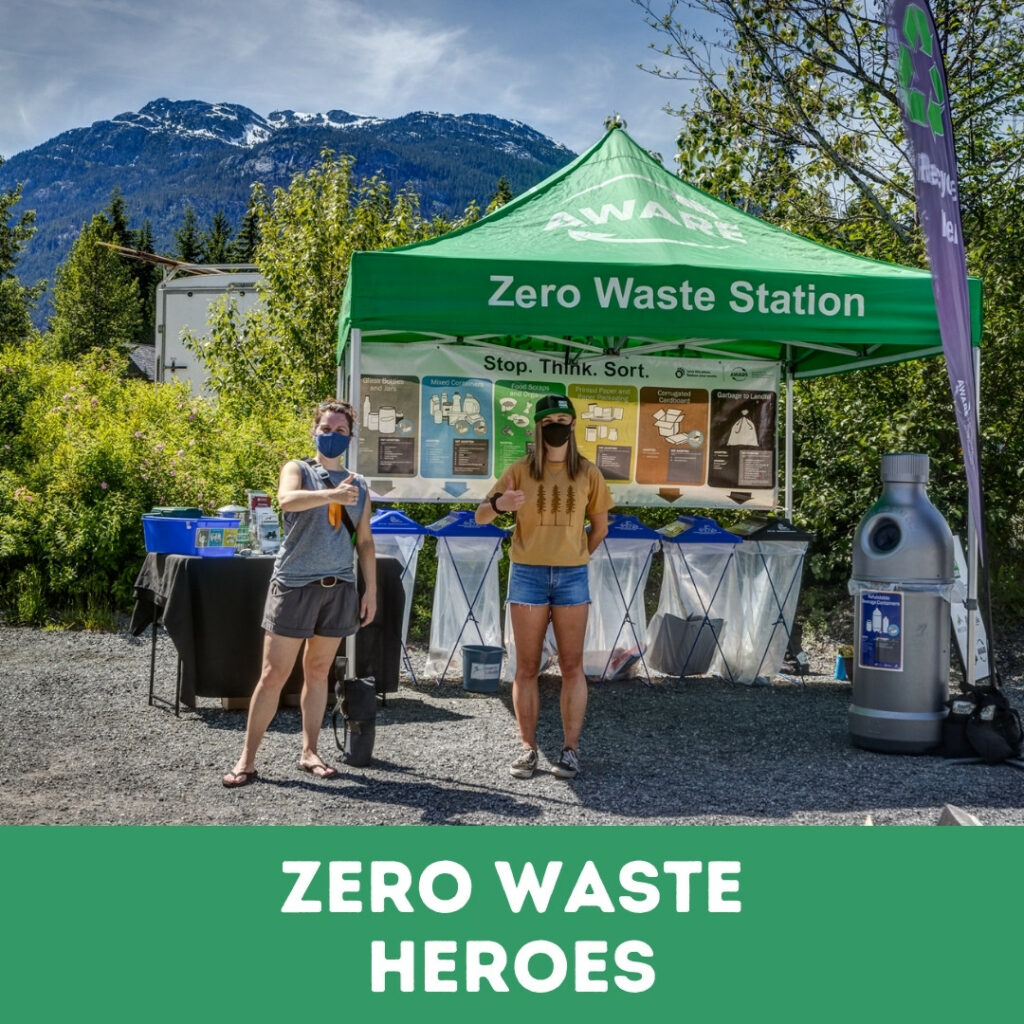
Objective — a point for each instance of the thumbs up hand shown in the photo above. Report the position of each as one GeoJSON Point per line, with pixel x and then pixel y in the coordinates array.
{"type": "Point", "coordinates": [346, 493]}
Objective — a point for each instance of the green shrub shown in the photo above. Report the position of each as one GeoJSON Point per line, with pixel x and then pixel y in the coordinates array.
{"type": "Point", "coordinates": [87, 452]}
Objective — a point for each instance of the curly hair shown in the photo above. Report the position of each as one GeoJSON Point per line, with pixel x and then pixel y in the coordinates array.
{"type": "Point", "coordinates": [335, 405]}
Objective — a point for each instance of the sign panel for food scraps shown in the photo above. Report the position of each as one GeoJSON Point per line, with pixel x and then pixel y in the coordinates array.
{"type": "Point", "coordinates": [442, 423]}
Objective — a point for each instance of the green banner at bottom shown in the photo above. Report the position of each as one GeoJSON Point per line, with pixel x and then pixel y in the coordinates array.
{"type": "Point", "coordinates": [490, 923]}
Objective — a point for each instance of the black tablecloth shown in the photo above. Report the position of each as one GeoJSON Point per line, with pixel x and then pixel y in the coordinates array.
{"type": "Point", "coordinates": [212, 609]}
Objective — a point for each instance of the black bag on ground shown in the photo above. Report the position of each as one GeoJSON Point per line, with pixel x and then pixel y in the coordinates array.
{"type": "Point", "coordinates": [356, 700]}
{"type": "Point", "coordinates": [955, 743]}
{"type": "Point", "coordinates": [982, 723]}
{"type": "Point", "coordinates": [994, 727]}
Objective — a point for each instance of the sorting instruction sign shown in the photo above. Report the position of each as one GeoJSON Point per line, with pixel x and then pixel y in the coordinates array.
{"type": "Point", "coordinates": [881, 630]}
{"type": "Point", "coordinates": [442, 422]}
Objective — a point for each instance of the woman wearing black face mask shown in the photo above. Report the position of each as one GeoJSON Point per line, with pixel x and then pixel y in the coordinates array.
{"type": "Point", "coordinates": [552, 490]}
{"type": "Point", "coordinates": [312, 596]}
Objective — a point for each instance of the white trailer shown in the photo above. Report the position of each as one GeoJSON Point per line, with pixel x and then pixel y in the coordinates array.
{"type": "Point", "coordinates": [184, 301]}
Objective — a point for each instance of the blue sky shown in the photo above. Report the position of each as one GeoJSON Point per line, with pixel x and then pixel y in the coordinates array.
{"type": "Point", "coordinates": [559, 65]}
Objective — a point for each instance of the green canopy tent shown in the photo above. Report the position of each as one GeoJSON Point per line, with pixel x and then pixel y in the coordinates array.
{"type": "Point", "coordinates": [615, 254]}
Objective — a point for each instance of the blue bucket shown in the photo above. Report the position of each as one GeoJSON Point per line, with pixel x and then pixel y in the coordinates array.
{"type": "Point", "coordinates": [481, 668]}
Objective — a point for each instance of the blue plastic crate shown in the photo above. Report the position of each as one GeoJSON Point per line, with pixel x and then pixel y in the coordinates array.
{"type": "Point", "coordinates": [212, 537]}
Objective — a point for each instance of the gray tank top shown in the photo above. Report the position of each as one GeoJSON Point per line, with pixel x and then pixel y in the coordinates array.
{"type": "Point", "coordinates": [312, 548]}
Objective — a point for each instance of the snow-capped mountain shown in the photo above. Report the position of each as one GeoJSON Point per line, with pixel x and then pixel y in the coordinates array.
{"type": "Point", "coordinates": [173, 153]}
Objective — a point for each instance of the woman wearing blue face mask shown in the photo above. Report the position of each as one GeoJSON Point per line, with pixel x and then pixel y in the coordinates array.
{"type": "Point", "coordinates": [312, 596]}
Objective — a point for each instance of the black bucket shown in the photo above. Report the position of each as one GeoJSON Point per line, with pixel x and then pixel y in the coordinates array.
{"type": "Point", "coordinates": [481, 668]}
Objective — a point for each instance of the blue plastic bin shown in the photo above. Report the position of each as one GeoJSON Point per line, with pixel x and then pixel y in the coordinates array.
{"type": "Point", "coordinates": [213, 537]}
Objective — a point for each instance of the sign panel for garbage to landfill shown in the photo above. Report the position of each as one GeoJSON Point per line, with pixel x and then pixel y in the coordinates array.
{"type": "Point", "coordinates": [443, 422]}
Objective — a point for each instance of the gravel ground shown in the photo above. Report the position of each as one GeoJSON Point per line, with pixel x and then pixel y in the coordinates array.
{"type": "Point", "coordinates": [80, 745]}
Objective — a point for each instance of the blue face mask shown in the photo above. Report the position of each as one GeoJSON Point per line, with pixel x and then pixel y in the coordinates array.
{"type": "Point", "coordinates": [331, 446]}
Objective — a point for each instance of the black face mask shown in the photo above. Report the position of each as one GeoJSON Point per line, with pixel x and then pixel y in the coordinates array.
{"type": "Point", "coordinates": [556, 434]}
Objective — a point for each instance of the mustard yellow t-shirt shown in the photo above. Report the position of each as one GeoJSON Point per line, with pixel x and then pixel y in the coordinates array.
{"type": "Point", "coordinates": [550, 526]}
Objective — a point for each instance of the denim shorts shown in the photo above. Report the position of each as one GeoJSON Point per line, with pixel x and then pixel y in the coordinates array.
{"type": "Point", "coordinates": [559, 585]}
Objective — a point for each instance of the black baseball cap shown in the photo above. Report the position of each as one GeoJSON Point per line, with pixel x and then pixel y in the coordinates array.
{"type": "Point", "coordinates": [551, 404]}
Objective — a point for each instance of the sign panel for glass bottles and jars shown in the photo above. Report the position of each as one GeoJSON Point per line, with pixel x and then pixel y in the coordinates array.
{"type": "Point", "coordinates": [443, 422]}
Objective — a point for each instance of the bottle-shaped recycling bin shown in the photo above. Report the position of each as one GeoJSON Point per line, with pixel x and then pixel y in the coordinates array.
{"type": "Point", "coordinates": [902, 583]}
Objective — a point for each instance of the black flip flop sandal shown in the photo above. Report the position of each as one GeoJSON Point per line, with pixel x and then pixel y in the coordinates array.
{"type": "Point", "coordinates": [235, 780]}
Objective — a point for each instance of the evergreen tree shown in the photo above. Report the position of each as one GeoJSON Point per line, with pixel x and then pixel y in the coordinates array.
{"type": "Point", "coordinates": [502, 194]}
{"type": "Point", "coordinates": [16, 300]}
{"type": "Point", "coordinates": [243, 248]}
{"type": "Point", "coordinates": [144, 274]}
{"type": "Point", "coordinates": [117, 216]}
{"type": "Point", "coordinates": [147, 276]}
{"type": "Point", "coordinates": [188, 242]}
{"type": "Point", "coordinates": [96, 301]}
{"type": "Point", "coordinates": [216, 243]}
{"type": "Point", "coordinates": [16, 305]}
{"type": "Point", "coordinates": [142, 240]}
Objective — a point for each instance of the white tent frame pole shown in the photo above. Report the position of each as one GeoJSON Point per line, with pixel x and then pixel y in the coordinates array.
{"type": "Point", "coordinates": [351, 360]}
{"type": "Point", "coordinates": [353, 355]}
{"type": "Point", "coordinates": [972, 541]}
{"type": "Point", "coordinates": [789, 440]}
{"type": "Point", "coordinates": [339, 377]}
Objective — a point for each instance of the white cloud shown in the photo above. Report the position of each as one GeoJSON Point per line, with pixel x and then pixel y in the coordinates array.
{"type": "Point", "coordinates": [559, 65]}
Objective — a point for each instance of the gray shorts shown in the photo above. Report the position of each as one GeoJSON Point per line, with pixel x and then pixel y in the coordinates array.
{"type": "Point", "coordinates": [312, 610]}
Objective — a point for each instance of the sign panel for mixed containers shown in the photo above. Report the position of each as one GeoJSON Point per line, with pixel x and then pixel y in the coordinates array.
{"type": "Point", "coordinates": [881, 625]}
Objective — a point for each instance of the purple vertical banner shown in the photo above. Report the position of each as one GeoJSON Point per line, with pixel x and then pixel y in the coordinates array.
{"type": "Point", "coordinates": [924, 102]}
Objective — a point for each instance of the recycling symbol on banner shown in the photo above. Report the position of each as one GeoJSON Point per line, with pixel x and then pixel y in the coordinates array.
{"type": "Point", "coordinates": [925, 110]}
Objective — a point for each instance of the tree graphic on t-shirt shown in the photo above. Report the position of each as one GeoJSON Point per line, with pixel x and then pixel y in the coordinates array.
{"type": "Point", "coordinates": [556, 503]}
{"type": "Point", "coordinates": [541, 502]}
{"type": "Point", "coordinates": [570, 504]}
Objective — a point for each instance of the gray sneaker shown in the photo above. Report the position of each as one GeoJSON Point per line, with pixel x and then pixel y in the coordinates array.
{"type": "Point", "coordinates": [568, 766]}
{"type": "Point", "coordinates": [525, 764]}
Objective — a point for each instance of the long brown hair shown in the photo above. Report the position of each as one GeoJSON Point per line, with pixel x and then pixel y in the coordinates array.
{"type": "Point", "coordinates": [573, 460]}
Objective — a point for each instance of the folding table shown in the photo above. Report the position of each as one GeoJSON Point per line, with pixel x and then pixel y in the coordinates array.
{"type": "Point", "coordinates": [212, 609]}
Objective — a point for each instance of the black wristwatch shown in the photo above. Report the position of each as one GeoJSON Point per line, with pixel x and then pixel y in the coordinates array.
{"type": "Point", "coordinates": [493, 499]}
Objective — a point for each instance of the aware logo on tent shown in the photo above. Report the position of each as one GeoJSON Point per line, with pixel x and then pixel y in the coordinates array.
{"type": "Point", "coordinates": [633, 219]}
